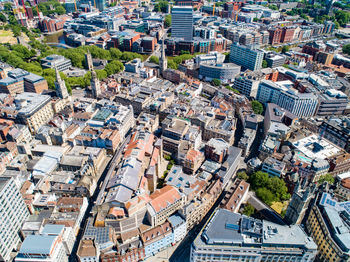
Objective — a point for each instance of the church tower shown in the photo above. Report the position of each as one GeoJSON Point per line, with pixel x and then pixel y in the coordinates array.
{"type": "Point", "coordinates": [163, 64]}
{"type": "Point", "coordinates": [95, 84]}
{"type": "Point", "coordinates": [60, 85]}
{"type": "Point", "coordinates": [88, 59]}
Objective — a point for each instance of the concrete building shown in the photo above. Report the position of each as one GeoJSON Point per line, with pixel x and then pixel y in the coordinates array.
{"type": "Point", "coordinates": [13, 213]}
{"type": "Point", "coordinates": [231, 236]}
{"type": "Point", "coordinates": [275, 60]}
{"type": "Point", "coordinates": [337, 130]}
{"type": "Point", "coordinates": [248, 84]}
{"type": "Point", "coordinates": [56, 61]}
{"type": "Point", "coordinates": [182, 22]}
{"type": "Point", "coordinates": [33, 110]}
{"type": "Point", "coordinates": [247, 57]}
{"type": "Point", "coordinates": [226, 73]}
{"type": "Point", "coordinates": [43, 247]}
{"type": "Point", "coordinates": [19, 81]}
{"type": "Point", "coordinates": [299, 104]}
{"type": "Point", "coordinates": [327, 223]}
{"type": "Point", "coordinates": [273, 167]}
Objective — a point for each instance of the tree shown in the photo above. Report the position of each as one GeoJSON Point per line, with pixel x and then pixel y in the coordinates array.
{"type": "Point", "coordinates": [115, 53]}
{"type": "Point", "coordinates": [154, 59]}
{"type": "Point", "coordinates": [3, 18]}
{"type": "Point", "coordinates": [257, 107]}
{"type": "Point", "coordinates": [273, 7]}
{"type": "Point", "coordinates": [265, 195]}
{"type": "Point", "coordinates": [232, 89]}
{"type": "Point", "coordinates": [243, 175]}
{"type": "Point", "coordinates": [216, 82]}
{"type": "Point", "coordinates": [161, 6]}
{"type": "Point", "coordinates": [167, 21]}
{"type": "Point", "coordinates": [326, 178]}
{"type": "Point", "coordinates": [259, 179]}
{"type": "Point", "coordinates": [346, 49]}
{"type": "Point", "coordinates": [285, 49]}
{"type": "Point", "coordinates": [248, 210]}
{"type": "Point", "coordinates": [255, 19]}
{"type": "Point", "coordinates": [172, 64]}
{"type": "Point", "coordinates": [264, 64]}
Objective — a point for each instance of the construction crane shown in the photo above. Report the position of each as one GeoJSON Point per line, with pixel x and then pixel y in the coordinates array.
{"type": "Point", "coordinates": [236, 16]}
{"type": "Point", "coordinates": [95, 3]}
{"type": "Point", "coordinates": [37, 9]}
{"type": "Point", "coordinates": [214, 9]}
{"type": "Point", "coordinates": [75, 5]}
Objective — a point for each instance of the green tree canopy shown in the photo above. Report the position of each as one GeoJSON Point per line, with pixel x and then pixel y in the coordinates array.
{"type": "Point", "coordinates": [167, 21]}
{"type": "Point", "coordinates": [257, 107]}
{"type": "Point", "coordinates": [326, 178]}
{"type": "Point", "coordinates": [346, 49]}
{"type": "Point", "coordinates": [216, 82]}
{"type": "Point", "coordinates": [248, 210]}
{"type": "Point", "coordinates": [154, 59]}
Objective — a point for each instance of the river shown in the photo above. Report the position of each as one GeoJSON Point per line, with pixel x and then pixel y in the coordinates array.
{"type": "Point", "coordinates": [55, 38]}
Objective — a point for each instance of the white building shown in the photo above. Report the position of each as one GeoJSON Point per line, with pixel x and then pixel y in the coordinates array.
{"type": "Point", "coordinates": [179, 226]}
{"type": "Point", "coordinates": [282, 94]}
{"type": "Point", "coordinates": [231, 236]}
{"type": "Point", "coordinates": [13, 213]}
{"type": "Point", "coordinates": [46, 247]}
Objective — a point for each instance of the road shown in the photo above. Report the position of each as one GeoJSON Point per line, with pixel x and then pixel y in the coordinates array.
{"type": "Point", "coordinates": [182, 252]}
{"type": "Point", "coordinates": [112, 166]}
{"type": "Point", "coordinates": [98, 195]}
{"type": "Point", "coordinates": [264, 209]}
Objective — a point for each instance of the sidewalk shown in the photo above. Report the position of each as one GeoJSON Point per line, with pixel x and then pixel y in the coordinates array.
{"type": "Point", "coordinates": [164, 255]}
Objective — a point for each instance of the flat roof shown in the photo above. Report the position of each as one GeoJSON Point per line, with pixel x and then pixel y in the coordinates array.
{"type": "Point", "coordinates": [37, 244]}
{"type": "Point", "coordinates": [315, 147]}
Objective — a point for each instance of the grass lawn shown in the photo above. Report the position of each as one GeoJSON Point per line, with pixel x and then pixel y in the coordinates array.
{"type": "Point", "coordinates": [279, 206]}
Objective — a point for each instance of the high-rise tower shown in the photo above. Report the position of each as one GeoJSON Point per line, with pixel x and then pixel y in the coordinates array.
{"type": "Point", "coordinates": [95, 84]}
{"type": "Point", "coordinates": [182, 22]}
{"type": "Point", "coordinates": [163, 63]}
{"type": "Point", "coordinates": [60, 85]}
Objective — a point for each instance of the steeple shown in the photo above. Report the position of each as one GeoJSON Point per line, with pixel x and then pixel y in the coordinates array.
{"type": "Point", "coordinates": [163, 64]}
{"type": "Point", "coordinates": [95, 84]}
{"type": "Point", "coordinates": [60, 85]}
{"type": "Point", "coordinates": [88, 59]}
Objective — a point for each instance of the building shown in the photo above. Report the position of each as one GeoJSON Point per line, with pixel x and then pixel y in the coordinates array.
{"type": "Point", "coordinates": [19, 81]}
{"type": "Point", "coordinates": [226, 73]}
{"type": "Point", "coordinates": [337, 130]}
{"type": "Point", "coordinates": [332, 102]}
{"type": "Point", "coordinates": [247, 57]}
{"type": "Point", "coordinates": [100, 4]}
{"type": "Point", "coordinates": [43, 247]}
{"type": "Point", "coordinates": [60, 86]}
{"type": "Point", "coordinates": [95, 85]}
{"type": "Point", "coordinates": [33, 110]}
{"type": "Point", "coordinates": [164, 202]}
{"type": "Point", "coordinates": [182, 22]}
{"type": "Point", "coordinates": [235, 196]}
{"type": "Point", "coordinates": [56, 61]}
{"type": "Point", "coordinates": [163, 62]}
{"type": "Point", "coordinates": [88, 251]}
{"type": "Point", "coordinates": [247, 84]}
{"type": "Point", "coordinates": [327, 223]}
{"type": "Point", "coordinates": [235, 237]}
{"type": "Point", "coordinates": [299, 104]}
{"type": "Point", "coordinates": [13, 213]}
{"type": "Point", "coordinates": [275, 60]}
{"type": "Point", "coordinates": [299, 203]}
